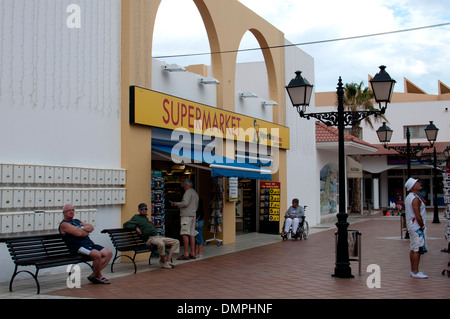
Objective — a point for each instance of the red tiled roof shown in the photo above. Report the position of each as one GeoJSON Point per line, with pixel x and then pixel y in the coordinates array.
{"type": "Point", "coordinates": [326, 133]}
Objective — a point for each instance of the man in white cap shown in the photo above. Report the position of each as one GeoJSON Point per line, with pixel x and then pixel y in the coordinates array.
{"type": "Point", "coordinates": [416, 224]}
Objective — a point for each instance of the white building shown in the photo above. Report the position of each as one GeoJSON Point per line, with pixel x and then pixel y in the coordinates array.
{"type": "Point", "coordinates": [385, 171]}
{"type": "Point", "coordinates": [65, 129]}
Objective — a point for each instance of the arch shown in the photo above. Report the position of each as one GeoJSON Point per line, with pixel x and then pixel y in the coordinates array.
{"type": "Point", "coordinates": [270, 64]}
{"type": "Point", "coordinates": [225, 22]}
{"type": "Point", "coordinates": [175, 29]}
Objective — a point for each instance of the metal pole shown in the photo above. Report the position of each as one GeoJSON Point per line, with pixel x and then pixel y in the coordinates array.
{"type": "Point", "coordinates": [342, 269]}
{"type": "Point", "coordinates": [408, 151]}
{"type": "Point", "coordinates": [435, 187]}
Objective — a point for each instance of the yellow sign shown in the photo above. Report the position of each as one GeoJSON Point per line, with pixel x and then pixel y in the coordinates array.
{"type": "Point", "coordinates": [156, 109]}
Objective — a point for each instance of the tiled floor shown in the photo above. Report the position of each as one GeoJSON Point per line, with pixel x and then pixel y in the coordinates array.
{"type": "Point", "coordinates": [261, 266]}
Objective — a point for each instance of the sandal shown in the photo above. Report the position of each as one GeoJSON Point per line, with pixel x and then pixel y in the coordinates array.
{"type": "Point", "coordinates": [183, 257]}
{"type": "Point", "coordinates": [103, 281]}
{"type": "Point", "coordinates": [96, 280]}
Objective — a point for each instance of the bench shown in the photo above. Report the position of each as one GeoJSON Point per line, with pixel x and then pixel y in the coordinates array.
{"type": "Point", "coordinates": [41, 251]}
{"type": "Point", "coordinates": [128, 240]}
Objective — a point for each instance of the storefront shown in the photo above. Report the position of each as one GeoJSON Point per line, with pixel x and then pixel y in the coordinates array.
{"type": "Point", "coordinates": [229, 157]}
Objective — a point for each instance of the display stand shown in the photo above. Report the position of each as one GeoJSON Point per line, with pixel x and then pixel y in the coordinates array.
{"type": "Point", "coordinates": [446, 182]}
{"type": "Point", "coordinates": [158, 206]}
{"type": "Point", "coordinates": [215, 208]}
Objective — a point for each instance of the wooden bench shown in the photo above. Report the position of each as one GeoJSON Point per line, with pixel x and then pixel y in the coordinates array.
{"type": "Point", "coordinates": [128, 240]}
{"type": "Point", "coordinates": [40, 251]}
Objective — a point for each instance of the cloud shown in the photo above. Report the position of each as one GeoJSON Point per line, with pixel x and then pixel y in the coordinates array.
{"type": "Point", "coordinates": [421, 56]}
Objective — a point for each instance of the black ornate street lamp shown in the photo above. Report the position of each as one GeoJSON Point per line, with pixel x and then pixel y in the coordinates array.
{"type": "Point", "coordinates": [385, 133]}
{"type": "Point", "coordinates": [447, 153]}
{"type": "Point", "coordinates": [300, 91]}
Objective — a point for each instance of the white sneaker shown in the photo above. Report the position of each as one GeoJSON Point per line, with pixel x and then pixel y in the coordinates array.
{"type": "Point", "coordinates": [165, 265]}
{"type": "Point", "coordinates": [419, 275]}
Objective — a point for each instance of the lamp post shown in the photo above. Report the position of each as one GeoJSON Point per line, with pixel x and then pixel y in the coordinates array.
{"type": "Point", "coordinates": [447, 153]}
{"type": "Point", "coordinates": [300, 91]}
{"type": "Point", "coordinates": [384, 135]}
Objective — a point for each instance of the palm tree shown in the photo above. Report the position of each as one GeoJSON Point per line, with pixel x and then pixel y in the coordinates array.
{"type": "Point", "coordinates": [357, 98]}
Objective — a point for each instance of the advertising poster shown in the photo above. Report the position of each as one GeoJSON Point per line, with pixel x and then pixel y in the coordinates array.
{"type": "Point", "coordinates": [269, 207]}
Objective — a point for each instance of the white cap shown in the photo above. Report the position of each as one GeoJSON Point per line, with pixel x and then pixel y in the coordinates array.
{"type": "Point", "coordinates": [410, 183]}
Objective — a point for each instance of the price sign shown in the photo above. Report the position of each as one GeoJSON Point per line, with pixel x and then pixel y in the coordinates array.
{"type": "Point", "coordinates": [270, 201]}
{"type": "Point", "coordinates": [274, 218]}
{"type": "Point", "coordinates": [274, 191]}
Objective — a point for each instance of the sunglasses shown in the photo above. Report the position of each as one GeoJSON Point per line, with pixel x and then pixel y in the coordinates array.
{"type": "Point", "coordinates": [145, 208]}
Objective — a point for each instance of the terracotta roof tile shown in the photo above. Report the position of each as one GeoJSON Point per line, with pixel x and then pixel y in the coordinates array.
{"type": "Point", "coordinates": [326, 133]}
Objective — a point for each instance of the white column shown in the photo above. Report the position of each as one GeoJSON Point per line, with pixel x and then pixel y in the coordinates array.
{"type": "Point", "coordinates": [375, 193]}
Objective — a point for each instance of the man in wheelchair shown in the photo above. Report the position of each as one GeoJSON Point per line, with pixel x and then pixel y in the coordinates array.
{"type": "Point", "coordinates": [294, 216]}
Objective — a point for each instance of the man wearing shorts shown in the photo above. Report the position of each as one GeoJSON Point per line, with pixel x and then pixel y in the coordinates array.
{"type": "Point", "coordinates": [147, 231]}
{"type": "Point", "coordinates": [415, 213]}
{"type": "Point", "coordinates": [76, 235]}
{"type": "Point", "coordinates": [188, 208]}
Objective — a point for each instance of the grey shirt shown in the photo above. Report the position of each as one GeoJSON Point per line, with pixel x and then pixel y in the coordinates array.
{"type": "Point", "coordinates": [189, 204]}
{"type": "Point", "coordinates": [299, 212]}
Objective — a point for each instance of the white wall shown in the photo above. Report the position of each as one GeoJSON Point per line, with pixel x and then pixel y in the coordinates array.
{"type": "Point", "coordinates": [399, 115]}
{"type": "Point", "coordinates": [252, 77]}
{"type": "Point", "coordinates": [60, 91]}
{"type": "Point", "coordinates": [417, 113]}
{"type": "Point", "coordinates": [183, 85]}
{"type": "Point", "coordinates": [303, 169]}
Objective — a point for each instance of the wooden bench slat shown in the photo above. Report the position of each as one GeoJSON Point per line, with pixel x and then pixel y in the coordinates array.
{"type": "Point", "coordinates": [128, 240]}
{"type": "Point", "coordinates": [40, 251]}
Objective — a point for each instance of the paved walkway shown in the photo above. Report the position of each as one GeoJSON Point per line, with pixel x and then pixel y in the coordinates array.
{"type": "Point", "coordinates": [261, 266]}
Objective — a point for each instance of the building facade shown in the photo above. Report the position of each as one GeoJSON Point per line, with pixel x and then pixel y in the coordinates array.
{"type": "Point", "coordinates": [385, 170]}
{"type": "Point", "coordinates": [73, 82]}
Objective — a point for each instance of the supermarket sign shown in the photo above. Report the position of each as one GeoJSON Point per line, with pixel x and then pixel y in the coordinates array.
{"type": "Point", "coordinates": [151, 108]}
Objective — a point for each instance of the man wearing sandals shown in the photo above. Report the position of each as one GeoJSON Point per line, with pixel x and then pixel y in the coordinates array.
{"type": "Point", "coordinates": [76, 235]}
{"type": "Point", "coordinates": [147, 231]}
{"type": "Point", "coordinates": [188, 210]}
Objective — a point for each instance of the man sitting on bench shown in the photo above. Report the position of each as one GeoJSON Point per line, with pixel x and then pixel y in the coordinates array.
{"type": "Point", "coordinates": [147, 231]}
{"type": "Point", "coordinates": [76, 236]}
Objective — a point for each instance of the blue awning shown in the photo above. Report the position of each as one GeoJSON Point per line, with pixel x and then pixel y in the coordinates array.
{"type": "Point", "coordinates": [262, 161]}
{"type": "Point", "coordinates": [220, 166]}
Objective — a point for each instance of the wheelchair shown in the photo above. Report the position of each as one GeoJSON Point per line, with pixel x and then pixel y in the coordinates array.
{"type": "Point", "coordinates": [302, 230]}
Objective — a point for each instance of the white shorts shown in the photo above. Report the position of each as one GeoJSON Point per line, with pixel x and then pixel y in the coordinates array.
{"type": "Point", "coordinates": [415, 240]}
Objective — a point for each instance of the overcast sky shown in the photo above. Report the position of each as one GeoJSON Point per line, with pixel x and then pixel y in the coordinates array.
{"type": "Point", "coordinates": [422, 56]}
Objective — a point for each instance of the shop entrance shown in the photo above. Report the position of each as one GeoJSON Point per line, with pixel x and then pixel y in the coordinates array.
{"type": "Point", "coordinates": [167, 179]}
{"type": "Point", "coordinates": [246, 211]}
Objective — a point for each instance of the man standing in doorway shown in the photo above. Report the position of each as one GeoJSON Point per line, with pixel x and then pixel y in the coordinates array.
{"type": "Point", "coordinates": [416, 216]}
{"type": "Point", "coordinates": [188, 208]}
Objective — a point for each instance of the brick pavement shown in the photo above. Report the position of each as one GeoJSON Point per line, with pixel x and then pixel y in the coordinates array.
{"type": "Point", "coordinates": [292, 270]}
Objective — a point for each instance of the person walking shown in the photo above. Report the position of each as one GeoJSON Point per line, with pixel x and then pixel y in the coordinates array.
{"type": "Point", "coordinates": [416, 215]}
